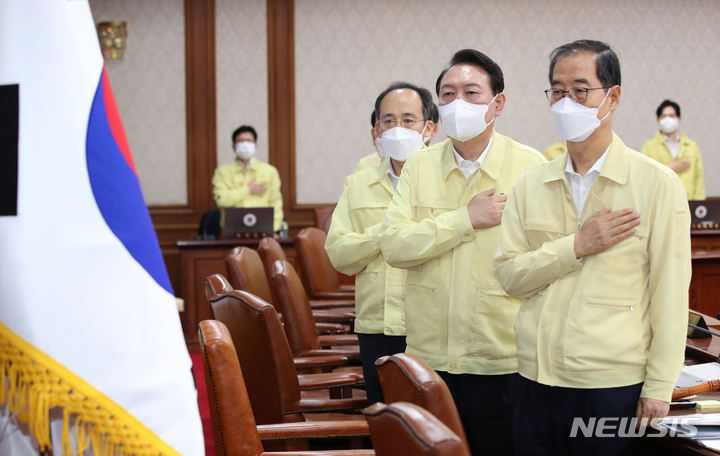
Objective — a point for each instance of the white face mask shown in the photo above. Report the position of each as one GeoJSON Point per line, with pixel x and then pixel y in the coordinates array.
{"type": "Point", "coordinates": [575, 122]}
{"type": "Point", "coordinates": [379, 147]}
{"type": "Point", "coordinates": [245, 149]}
{"type": "Point", "coordinates": [400, 142]}
{"type": "Point", "coordinates": [464, 121]}
{"type": "Point", "coordinates": [669, 124]}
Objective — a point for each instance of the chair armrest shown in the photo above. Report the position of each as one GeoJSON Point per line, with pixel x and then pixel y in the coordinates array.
{"type": "Point", "coordinates": [351, 352]}
{"type": "Point", "coordinates": [313, 430]}
{"type": "Point", "coordinates": [332, 303]}
{"type": "Point", "coordinates": [338, 339]}
{"type": "Point", "coordinates": [331, 328]}
{"type": "Point", "coordinates": [328, 405]}
{"type": "Point", "coordinates": [324, 453]}
{"type": "Point", "coordinates": [319, 361]}
{"type": "Point", "coordinates": [310, 382]}
{"type": "Point", "coordinates": [333, 295]}
{"type": "Point", "coordinates": [323, 316]}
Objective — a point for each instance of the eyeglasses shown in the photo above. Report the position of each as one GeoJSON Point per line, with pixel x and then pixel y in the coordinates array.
{"type": "Point", "coordinates": [578, 94]}
{"type": "Point", "coordinates": [406, 122]}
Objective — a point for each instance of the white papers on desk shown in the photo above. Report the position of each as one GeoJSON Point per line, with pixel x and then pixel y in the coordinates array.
{"type": "Point", "coordinates": [698, 374]}
{"type": "Point", "coordinates": [704, 428]}
{"type": "Point", "coordinates": [713, 444]}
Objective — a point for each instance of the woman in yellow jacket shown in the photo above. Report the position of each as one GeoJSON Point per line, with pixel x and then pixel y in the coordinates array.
{"type": "Point", "coordinates": [672, 148]}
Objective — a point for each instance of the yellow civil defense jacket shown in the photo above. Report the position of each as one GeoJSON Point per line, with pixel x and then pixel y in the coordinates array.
{"type": "Point", "coordinates": [353, 248]}
{"type": "Point", "coordinates": [457, 316]}
{"type": "Point", "coordinates": [230, 188]}
{"type": "Point", "coordinates": [615, 318]}
{"type": "Point", "coordinates": [692, 179]}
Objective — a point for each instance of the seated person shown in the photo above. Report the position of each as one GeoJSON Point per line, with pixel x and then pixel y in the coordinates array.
{"type": "Point", "coordinates": [246, 181]}
{"type": "Point", "coordinates": [556, 150]}
{"type": "Point", "coordinates": [672, 148]}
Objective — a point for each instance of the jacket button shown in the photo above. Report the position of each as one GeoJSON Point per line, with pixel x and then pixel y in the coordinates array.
{"type": "Point", "coordinates": [568, 197]}
{"type": "Point", "coordinates": [451, 366]}
{"type": "Point", "coordinates": [467, 234]}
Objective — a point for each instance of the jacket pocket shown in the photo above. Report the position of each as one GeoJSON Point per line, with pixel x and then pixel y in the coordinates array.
{"type": "Point", "coordinates": [423, 317]}
{"type": "Point", "coordinates": [496, 313]}
{"type": "Point", "coordinates": [604, 331]}
{"type": "Point", "coordinates": [541, 231]}
{"type": "Point", "coordinates": [369, 294]}
{"type": "Point", "coordinates": [425, 209]}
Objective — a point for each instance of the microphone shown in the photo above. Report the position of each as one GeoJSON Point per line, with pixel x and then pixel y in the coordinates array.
{"type": "Point", "coordinates": [706, 331]}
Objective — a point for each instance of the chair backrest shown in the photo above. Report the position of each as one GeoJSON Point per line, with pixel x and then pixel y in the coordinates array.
{"type": "Point", "coordinates": [293, 304]}
{"type": "Point", "coordinates": [234, 428]}
{"type": "Point", "coordinates": [404, 428]}
{"type": "Point", "coordinates": [316, 270]}
{"type": "Point", "coordinates": [209, 227]}
{"type": "Point", "coordinates": [407, 378]}
{"type": "Point", "coordinates": [263, 353]}
{"type": "Point", "coordinates": [323, 217]}
{"type": "Point", "coordinates": [270, 251]}
{"type": "Point", "coordinates": [216, 284]}
{"type": "Point", "coordinates": [246, 272]}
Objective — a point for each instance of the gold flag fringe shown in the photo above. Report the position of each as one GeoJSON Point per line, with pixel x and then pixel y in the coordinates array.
{"type": "Point", "coordinates": [32, 383]}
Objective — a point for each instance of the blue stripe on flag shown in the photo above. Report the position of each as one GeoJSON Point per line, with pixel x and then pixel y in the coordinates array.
{"type": "Point", "coordinates": [118, 194]}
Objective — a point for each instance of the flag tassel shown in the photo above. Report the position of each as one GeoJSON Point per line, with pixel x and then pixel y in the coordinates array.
{"type": "Point", "coordinates": [31, 384]}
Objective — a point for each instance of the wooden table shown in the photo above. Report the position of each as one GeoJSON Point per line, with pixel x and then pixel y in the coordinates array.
{"type": "Point", "coordinates": [200, 259]}
{"type": "Point", "coordinates": [697, 351]}
{"type": "Point", "coordinates": [705, 285]}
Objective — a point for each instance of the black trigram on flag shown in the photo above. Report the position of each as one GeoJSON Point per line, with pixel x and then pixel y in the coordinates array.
{"type": "Point", "coordinates": [9, 114]}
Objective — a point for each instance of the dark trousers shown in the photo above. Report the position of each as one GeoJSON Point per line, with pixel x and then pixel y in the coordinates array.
{"type": "Point", "coordinates": [544, 419]}
{"type": "Point", "coordinates": [372, 347]}
{"type": "Point", "coordinates": [485, 404]}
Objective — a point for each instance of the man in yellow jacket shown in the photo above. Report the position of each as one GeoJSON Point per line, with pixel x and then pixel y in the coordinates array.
{"type": "Point", "coordinates": [352, 243]}
{"type": "Point", "coordinates": [598, 247]}
{"type": "Point", "coordinates": [556, 150]}
{"type": "Point", "coordinates": [672, 148]}
{"type": "Point", "coordinates": [372, 160]}
{"type": "Point", "coordinates": [247, 182]}
{"type": "Point", "coordinates": [443, 227]}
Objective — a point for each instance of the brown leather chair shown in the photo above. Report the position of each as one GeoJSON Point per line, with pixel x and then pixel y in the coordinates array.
{"type": "Point", "coordinates": [403, 428]}
{"type": "Point", "coordinates": [234, 428]}
{"type": "Point", "coordinates": [217, 285]}
{"type": "Point", "coordinates": [270, 251]}
{"type": "Point", "coordinates": [293, 303]}
{"type": "Point", "coordinates": [407, 378]}
{"type": "Point", "coordinates": [246, 272]}
{"type": "Point", "coordinates": [317, 272]}
{"type": "Point", "coordinates": [263, 350]}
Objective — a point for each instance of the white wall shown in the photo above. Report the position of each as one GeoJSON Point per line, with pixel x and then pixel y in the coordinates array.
{"type": "Point", "coordinates": [347, 52]}
{"type": "Point", "coordinates": [149, 87]}
{"type": "Point", "coordinates": [242, 82]}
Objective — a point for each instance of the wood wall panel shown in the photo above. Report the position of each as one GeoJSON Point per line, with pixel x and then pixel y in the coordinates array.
{"type": "Point", "coordinates": [281, 108]}
{"type": "Point", "coordinates": [177, 222]}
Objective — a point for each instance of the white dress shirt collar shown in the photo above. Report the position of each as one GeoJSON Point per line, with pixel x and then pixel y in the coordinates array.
{"type": "Point", "coordinates": [391, 174]}
{"type": "Point", "coordinates": [467, 167]}
{"type": "Point", "coordinates": [580, 185]}
{"type": "Point", "coordinates": [246, 168]}
{"type": "Point", "coordinates": [673, 145]}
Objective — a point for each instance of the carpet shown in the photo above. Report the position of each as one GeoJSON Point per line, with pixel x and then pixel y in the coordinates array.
{"type": "Point", "coordinates": [203, 403]}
